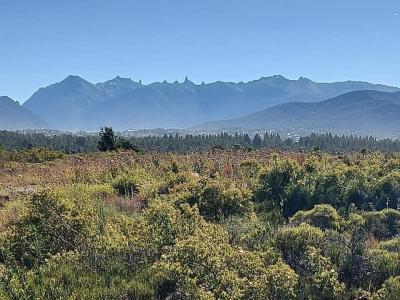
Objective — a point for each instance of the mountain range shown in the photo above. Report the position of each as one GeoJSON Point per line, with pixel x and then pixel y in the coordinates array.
{"type": "Point", "coordinates": [14, 116]}
{"type": "Point", "coordinates": [375, 112]}
{"type": "Point", "coordinates": [76, 104]}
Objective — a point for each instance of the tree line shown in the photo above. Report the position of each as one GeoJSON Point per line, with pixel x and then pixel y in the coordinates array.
{"type": "Point", "coordinates": [71, 143]}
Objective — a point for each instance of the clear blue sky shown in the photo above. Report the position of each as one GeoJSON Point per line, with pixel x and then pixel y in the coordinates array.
{"type": "Point", "coordinates": [43, 41]}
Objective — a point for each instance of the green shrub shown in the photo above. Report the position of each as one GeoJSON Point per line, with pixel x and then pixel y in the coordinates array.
{"type": "Point", "coordinates": [54, 223]}
{"type": "Point", "coordinates": [390, 290]}
{"type": "Point", "coordinates": [392, 245]}
{"type": "Point", "coordinates": [126, 185]}
{"type": "Point", "coordinates": [323, 216]}
{"type": "Point", "coordinates": [318, 277]}
{"type": "Point", "coordinates": [216, 202]}
{"type": "Point", "coordinates": [383, 224]}
{"type": "Point", "coordinates": [294, 241]}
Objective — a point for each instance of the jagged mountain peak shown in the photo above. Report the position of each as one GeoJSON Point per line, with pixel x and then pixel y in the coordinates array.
{"type": "Point", "coordinates": [188, 81]}
{"type": "Point", "coordinates": [122, 103]}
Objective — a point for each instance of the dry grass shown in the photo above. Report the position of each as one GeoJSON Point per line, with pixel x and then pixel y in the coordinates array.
{"type": "Point", "coordinates": [131, 204]}
{"type": "Point", "coordinates": [20, 179]}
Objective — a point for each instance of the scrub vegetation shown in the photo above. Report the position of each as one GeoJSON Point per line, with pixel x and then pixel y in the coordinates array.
{"type": "Point", "coordinates": [217, 224]}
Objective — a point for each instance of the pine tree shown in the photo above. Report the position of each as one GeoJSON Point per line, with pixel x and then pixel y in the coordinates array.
{"type": "Point", "coordinates": [107, 139]}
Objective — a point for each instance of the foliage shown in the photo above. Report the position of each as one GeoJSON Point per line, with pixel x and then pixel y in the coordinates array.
{"type": "Point", "coordinates": [54, 223]}
{"type": "Point", "coordinates": [294, 241]}
{"type": "Point", "coordinates": [122, 143]}
{"type": "Point", "coordinates": [85, 142]}
{"type": "Point", "coordinates": [390, 289]}
{"type": "Point", "coordinates": [107, 140]}
{"type": "Point", "coordinates": [205, 265]}
{"type": "Point", "coordinates": [126, 185]}
{"type": "Point", "coordinates": [222, 224]}
{"type": "Point", "coordinates": [392, 245]}
{"type": "Point", "coordinates": [323, 216]}
{"type": "Point", "coordinates": [319, 279]}
{"type": "Point", "coordinates": [383, 224]}
{"type": "Point", "coordinates": [32, 155]}
{"type": "Point", "coordinates": [275, 184]}
{"type": "Point", "coordinates": [216, 203]}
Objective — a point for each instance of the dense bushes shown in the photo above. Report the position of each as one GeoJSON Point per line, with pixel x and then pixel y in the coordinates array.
{"type": "Point", "coordinates": [216, 203]}
{"type": "Point", "coordinates": [318, 277]}
{"type": "Point", "coordinates": [215, 226]}
{"type": "Point", "coordinates": [288, 186]}
{"type": "Point", "coordinates": [32, 155]}
{"type": "Point", "coordinates": [126, 185]}
{"type": "Point", "coordinates": [53, 224]}
{"type": "Point", "coordinates": [383, 224]}
{"type": "Point", "coordinates": [322, 216]}
{"type": "Point", "coordinates": [390, 289]}
{"type": "Point", "coordinates": [171, 251]}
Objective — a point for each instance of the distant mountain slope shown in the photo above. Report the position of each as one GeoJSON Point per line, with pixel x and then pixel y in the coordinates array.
{"type": "Point", "coordinates": [14, 116]}
{"type": "Point", "coordinates": [373, 110]}
{"type": "Point", "coordinates": [68, 104]}
{"type": "Point", "coordinates": [75, 103]}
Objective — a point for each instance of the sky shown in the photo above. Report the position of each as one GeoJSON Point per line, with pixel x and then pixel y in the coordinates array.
{"type": "Point", "coordinates": [44, 41]}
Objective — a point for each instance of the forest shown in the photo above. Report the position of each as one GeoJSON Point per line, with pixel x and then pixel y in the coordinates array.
{"type": "Point", "coordinates": [227, 222]}
{"type": "Point", "coordinates": [181, 143]}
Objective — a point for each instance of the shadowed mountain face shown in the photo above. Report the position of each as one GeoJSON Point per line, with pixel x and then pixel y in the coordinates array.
{"type": "Point", "coordinates": [14, 116]}
{"type": "Point", "coordinates": [76, 104]}
{"type": "Point", "coordinates": [376, 111]}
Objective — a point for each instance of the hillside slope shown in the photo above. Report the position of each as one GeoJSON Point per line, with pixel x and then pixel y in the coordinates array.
{"type": "Point", "coordinates": [14, 116]}
{"type": "Point", "coordinates": [376, 111]}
